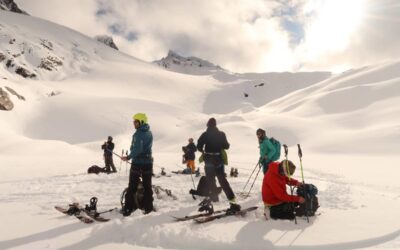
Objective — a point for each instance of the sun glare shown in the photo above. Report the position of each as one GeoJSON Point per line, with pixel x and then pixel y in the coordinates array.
{"type": "Point", "coordinates": [332, 22]}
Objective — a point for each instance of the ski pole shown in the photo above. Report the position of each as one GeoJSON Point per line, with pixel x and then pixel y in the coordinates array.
{"type": "Point", "coordinates": [120, 156]}
{"type": "Point", "coordinates": [120, 162]}
{"type": "Point", "coordinates": [253, 182]}
{"type": "Point", "coordinates": [194, 186]}
{"type": "Point", "coordinates": [110, 210]}
{"type": "Point", "coordinates": [289, 176]}
{"type": "Point", "coordinates": [255, 167]}
{"type": "Point", "coordinates": [302, 177]}
{"type": "Point", "coordinates": [126, 163]}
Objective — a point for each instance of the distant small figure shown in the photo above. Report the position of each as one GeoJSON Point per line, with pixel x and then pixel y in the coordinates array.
{"type": "Point", "coordinates": [108, 148]}
{"type": "Point", "coordinates": [259, 85]}
{"type": "Point", "coordinates": [234, 172]}
{"type": "Point", "coordinates": [246, 95]}
{"type": "Point", "coordinates": [189, 155]}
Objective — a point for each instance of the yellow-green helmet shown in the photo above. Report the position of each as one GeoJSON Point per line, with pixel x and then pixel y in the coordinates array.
{"type": "Point", "coordinates": [141, 117]}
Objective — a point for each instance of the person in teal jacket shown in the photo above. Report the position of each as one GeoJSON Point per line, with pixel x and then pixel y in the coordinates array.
{"type": "Point", "coordinates": [141, 166]}
{"type": "Point", "coordinates": [267, 150]}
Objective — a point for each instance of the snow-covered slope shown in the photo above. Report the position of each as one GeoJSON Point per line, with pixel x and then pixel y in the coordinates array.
{"type": "Point", "coordinates": [348, 127]}
{"type": "Point", "coordinates": [41, 50]}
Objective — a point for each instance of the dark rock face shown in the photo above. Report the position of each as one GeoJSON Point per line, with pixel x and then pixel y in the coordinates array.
{"type": "Point", "coordinates": [5, 102]}
{"type": "Point", "coordinates": [174, 58]}
{"type": "Point", "coordinates": [107, 40]}
{"type": "Point", "coordinates": [13, 92]}
{"type": "Point", "coordinates": [10, 5]}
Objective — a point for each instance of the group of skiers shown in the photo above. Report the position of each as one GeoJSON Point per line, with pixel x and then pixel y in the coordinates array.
{"type": "Point", "coordinates": [212, 145]}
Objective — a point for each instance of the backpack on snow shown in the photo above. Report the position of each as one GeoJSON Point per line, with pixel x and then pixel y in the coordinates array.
{"type": "Point", "coordinates": [277, 146]}
{"type": "Point", "coordinates": [96, 170]}
{"type": "Point", "coordinates": [137, 197]}
{"type": "Point", "coordinates": [309, 193]}
{"type": "Point", "coordinates": [202, 188]}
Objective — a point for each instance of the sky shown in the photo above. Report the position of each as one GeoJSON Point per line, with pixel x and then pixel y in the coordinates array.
{"type": "Point", "coordinates": [240, 35]}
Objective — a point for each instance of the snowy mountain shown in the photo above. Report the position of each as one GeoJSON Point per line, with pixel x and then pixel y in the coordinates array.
{"type": "Point", "coordinates": [107, 40]}
{"type": "Point", "coordinates": [187, 65]}
{"type": "Point", "coordinates": [348, 126]}
{"type": "Point", "coordinates": [10, 5]}
{"type": "Point", "coordinates": [31, 51]}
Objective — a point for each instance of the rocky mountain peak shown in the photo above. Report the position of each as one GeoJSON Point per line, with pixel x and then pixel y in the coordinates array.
{"type": "Point", "coordinates": [10, 5]}
{"type": "Point", "coordinates": [107, 40]}
{"type": "Point", "coordinates": [190, 65]}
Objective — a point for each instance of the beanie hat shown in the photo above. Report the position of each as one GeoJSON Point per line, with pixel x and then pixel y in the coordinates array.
{"type": "Point", "coordinates": [212, 122]}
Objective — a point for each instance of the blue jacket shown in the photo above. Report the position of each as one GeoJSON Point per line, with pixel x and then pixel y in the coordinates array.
{"type": "Point", "coordinates": [142, 142]}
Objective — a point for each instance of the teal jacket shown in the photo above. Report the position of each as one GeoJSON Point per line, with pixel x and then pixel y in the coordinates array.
{"type": "Point", "coordinates": [142, 142]}
{"type": "Point", "coordinates": [267, 150]}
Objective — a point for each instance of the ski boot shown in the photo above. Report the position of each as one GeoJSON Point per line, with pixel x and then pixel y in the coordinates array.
{"type": "Point", "coordinates": [206, 205]}
{"type": "Point", "coordinates": [234, 208]}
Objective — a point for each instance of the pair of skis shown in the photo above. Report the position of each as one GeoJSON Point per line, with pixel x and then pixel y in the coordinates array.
{"type": "Point", "coordinates": [207, 217]}
{"type": "Point", "coordinates": [85, 216]}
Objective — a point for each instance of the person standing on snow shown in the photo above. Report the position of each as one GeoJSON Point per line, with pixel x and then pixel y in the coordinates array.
{"type": "Point", "coordinates": [190, 156]}
{"type": "Point", "coordinates": [275, 197]}
{"type": "Point", "coordinates": [211, 143]}
{"type": "Point", "coordinates": [108, 148]}
{"type": "Point", "coordinates": [142, 165]}
{"type": "Point", "coordinates": [267, 150]}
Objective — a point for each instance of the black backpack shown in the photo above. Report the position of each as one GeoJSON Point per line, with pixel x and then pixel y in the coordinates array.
{"type": "Point", "coordinates": [202, 188]}
{"type": "Point", "coordinates": [137, 197]}
{"type": "Point", "coordinates": [95, 170]}
{"type": "Point", "coordinates": [309, 193]}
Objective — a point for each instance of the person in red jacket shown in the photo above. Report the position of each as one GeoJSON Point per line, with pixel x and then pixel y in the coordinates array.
{"type": "Point", "coordinates": [274, 194]}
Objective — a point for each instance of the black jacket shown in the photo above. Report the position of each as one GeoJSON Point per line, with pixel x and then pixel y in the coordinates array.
{"type": "Point", "coordinates": [189, 151]}
{"type": "Point", "coordinates": [108, 147]}
{"type": "Point", "coordinates": [212, 141]}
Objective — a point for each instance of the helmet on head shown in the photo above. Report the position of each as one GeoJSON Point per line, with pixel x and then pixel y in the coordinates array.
{"type": "Point", "coordinates": [109, 138]}
{"type": "Point", "coordinates": [141, 117]}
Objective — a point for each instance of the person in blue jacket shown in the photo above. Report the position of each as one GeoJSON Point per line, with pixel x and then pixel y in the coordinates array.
{"type": "Point", "coordinates": [141, 166]}
{"type": "Point", "coordinates": [267, 150]}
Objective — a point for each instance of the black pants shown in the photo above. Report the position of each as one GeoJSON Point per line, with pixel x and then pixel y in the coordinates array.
{"type": "Point", "coordinates": [264, 165]}
{"type": "Point", "coordinates": [213, 171]}
{"type": "Point", "coordinates": [283, 211]}
{"type": "Point", "coordinates": [109, 163]}
{"type": "Point", "coordinates": [144, 171]}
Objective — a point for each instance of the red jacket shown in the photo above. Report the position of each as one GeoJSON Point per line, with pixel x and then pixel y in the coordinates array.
{"type": "Point", "coordinates": [274, 186]}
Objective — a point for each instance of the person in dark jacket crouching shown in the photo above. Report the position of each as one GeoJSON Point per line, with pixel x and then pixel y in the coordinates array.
{"type": "Point", "coordinates": [280, 204]}
{"type": "Point", "coordinates": [142, 165]}
{"type": "Point", "coordinates": [211, 143]}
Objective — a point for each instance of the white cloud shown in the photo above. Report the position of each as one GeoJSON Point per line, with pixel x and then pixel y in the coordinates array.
{"type": "Point", "coordinates": [239, 35]}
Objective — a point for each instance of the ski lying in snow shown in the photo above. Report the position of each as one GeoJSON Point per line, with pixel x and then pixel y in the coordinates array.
{"type": "Point", "coordinates": [82, 214]}
{"type": "Point", "coordinates": [191, 217]}
{"type": "Point", "coordinates": [222, 215]}
{"type": "Point", "coordinates": [77, 213]}
{"type": "Point", "coordinates": [158, 189]}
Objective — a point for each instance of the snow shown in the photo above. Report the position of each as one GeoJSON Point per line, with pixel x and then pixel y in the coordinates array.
{"type": "Point", "coordinates": [348, 126]}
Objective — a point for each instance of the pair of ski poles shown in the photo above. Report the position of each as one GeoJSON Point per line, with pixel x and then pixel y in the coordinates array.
{"type": "Point", "coordinates": [120, 156]}
{"type": "Point", "coordinates": [300, 153]}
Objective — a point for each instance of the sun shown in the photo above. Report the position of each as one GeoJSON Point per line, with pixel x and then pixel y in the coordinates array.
{"type": "Point", "coordinates": [330, 24]}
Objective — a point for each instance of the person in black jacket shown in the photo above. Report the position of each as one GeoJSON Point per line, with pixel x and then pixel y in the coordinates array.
{"type": "Point", "coordinates": [108, 148]}
{"type": "Point", "coordinates": [189, 155]}
{"type": "Point", "coordinates": [211, 143]}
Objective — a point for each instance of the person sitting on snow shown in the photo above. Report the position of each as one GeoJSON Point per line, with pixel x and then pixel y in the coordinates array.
{"type": "Point", "coordinates": [281, 205]}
